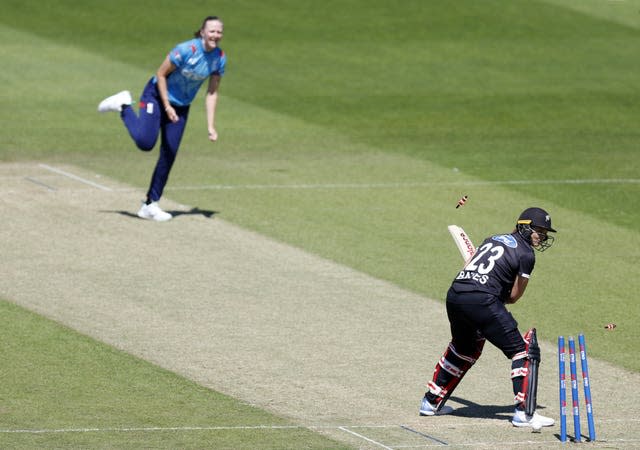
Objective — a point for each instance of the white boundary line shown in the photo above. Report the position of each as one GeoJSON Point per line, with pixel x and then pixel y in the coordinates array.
{"type": "Point", "coordinates": [75, 177]}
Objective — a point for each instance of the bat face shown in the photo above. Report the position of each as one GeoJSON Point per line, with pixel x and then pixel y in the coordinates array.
{"type": "Point", "coordinates": [463, 242]}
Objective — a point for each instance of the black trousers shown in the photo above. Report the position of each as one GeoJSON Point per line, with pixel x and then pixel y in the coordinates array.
{"type": "Point", "coordinates": [471, 313]}
{"type": "Point", "coordinates": [473, 316]}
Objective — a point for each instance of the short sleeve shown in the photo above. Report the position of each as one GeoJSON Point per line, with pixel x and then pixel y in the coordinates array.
{"type": "Point", "coordinates": [527, 262]}
{"type": "Point", "coordinates": [180, 53]}
{"type": "Point", "coordinates": [222, 64]}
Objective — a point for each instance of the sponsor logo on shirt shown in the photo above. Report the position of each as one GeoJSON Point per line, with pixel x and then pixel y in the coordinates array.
{"type": "Point", "coordinates": [506, 239]}
{"type": "Point", "coordinates": [194, 59]}
{"type": "Point", "coordinates": [191, 75]}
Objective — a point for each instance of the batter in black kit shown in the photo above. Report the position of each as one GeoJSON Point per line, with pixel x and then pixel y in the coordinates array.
{"type": "Point", "coordinates": [497, 274]}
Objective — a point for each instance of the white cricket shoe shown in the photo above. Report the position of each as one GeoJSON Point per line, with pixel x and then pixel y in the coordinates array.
{"type": "Point", "coordinates": [521, 419]}
{"type": "Point", "coordinates": [427, 409]}
{"type": "Point", "coordinates": [153, 212]}
{"type": "Point", "coordinates": [115, 102]}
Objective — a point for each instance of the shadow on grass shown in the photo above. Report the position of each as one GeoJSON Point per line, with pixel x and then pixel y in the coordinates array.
{"type": "Point", "coordinates": [471, 409]}
{"type": "Point", "coordinates": [192, 212]}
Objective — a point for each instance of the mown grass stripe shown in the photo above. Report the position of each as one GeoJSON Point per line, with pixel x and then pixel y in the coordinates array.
{"type": "Point", "coordinates": [402, 184]}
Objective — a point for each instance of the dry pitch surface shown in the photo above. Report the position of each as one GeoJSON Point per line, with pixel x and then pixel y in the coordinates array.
{"type": "Point", "coordinates": [331, 348]}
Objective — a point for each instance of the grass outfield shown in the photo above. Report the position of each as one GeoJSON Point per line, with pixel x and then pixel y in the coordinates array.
{"type": "Point", "coordinates": [351, 131]}
{"type": "Point", "coordinates": [57, 377]}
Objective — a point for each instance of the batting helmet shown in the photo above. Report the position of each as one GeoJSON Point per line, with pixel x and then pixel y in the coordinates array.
{"type": "Point", "coordinates": [532, 219]}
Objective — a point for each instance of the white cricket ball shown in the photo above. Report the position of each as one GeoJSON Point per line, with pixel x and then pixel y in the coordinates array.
{"type": "Point", "coordinates": [535, 428]}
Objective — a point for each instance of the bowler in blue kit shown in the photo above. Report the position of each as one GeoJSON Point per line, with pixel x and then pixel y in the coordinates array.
{"type": "Point", "coordinates": [165, 101]}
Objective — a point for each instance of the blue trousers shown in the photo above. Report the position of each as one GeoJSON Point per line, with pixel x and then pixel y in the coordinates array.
{"type": "Point", "coordinates": [144, 129]}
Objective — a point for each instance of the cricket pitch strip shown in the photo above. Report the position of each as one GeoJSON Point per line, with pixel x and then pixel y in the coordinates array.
{"type": "Point", "coordinates": [333, 349]}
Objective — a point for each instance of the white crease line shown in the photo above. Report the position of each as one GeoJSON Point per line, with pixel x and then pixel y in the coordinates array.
{"type": "Point", "coordinates": [365, 438]}
{"type": "Point", "coordinates": [212, 428]}
{"type": "Point", "coordinates": [148, 429]}
{"type": "Point", "coordinates": [75, 177]}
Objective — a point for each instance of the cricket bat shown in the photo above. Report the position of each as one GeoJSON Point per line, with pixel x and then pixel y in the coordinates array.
{"type": "Point", "coordinates": [462, 240]}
